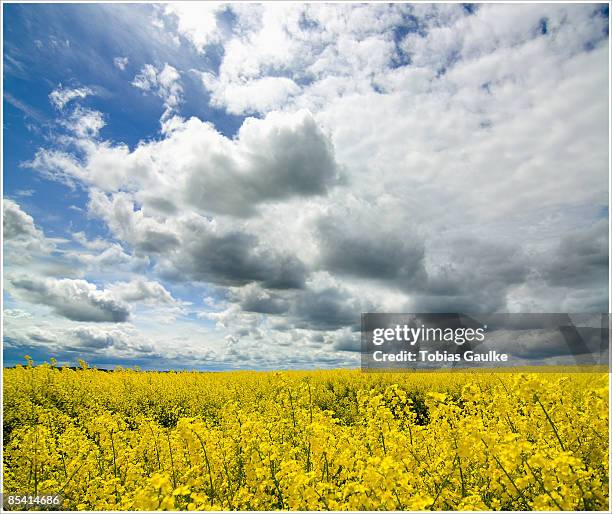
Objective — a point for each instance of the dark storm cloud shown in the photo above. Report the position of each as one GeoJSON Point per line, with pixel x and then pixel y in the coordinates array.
{"type": "Point", "coordinates": [473, 276]}
{"type": "Point", "coordinates": [254, 299]}
{"type": "Point", "coordinates": [77, 300]}
{"type": "Point", "coordinates": [581, 259]}
{"type": "Point", "coordinates": [327, 309]}
{"type": "Point", "coordinates": [275, 158]}
{"type": "Point", "coordinates": [586, 344]}
{"type": "Point", "coordinates": [197, 248]}
{"type": "Point", "coordinates": [236, 258]}
{"type": "Point", "coordinates": [465, 275]}
{"type": "Point", "coordinates": [153, 241]}
{"type": "Point", "coordinates": [347, 342]}
{"type": "Point", "coordinates": [347, 247]}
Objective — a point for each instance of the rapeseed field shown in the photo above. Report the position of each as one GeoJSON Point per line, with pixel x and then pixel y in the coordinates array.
{"type": "Point", "coordinates": [311, 440]}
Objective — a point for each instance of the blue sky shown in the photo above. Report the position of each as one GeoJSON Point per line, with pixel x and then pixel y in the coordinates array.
{"type": "Point", "coordinates": [230, 186]}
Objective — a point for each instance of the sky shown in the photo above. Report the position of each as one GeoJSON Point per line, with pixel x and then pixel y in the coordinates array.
{"type": "Point", "coordinates": [229, 186]}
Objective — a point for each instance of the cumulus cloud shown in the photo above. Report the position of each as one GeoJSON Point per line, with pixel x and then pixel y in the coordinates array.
{"type": "Point", "coordinates": [328, 308]}
{"type": "Point", "coordinates": [19, 230]}
{"type": "Point", "coordinates": [197, 21]}
{"type": "Point", "coordinates": [106, 344]}
{"type": "Point", "coordinates": [84, 122]}
{"type": "Point", "coordinates": [403, 157]}
{"type": "Point", "coordinates": [16, 223]}
{"type": "Point", "coordinates": [144, 233]}
{"type": "Point", "coordinates": [105, 256]}
{"type": "Point", "coordinates": [258, 95]}
{"type": "Point", "coordinates": [77, 300]}
{"type": "Point", "coordinates": [253, 298]}
{"type": "Point", "coordinates": [141, 290]}
{"type": "Point", "coordinates": [61, 96]}
{"type": "Point", "coordinates": [196, 248]}
{"type": "Point", "coordinates": [114, 340]}
{"type": "Point", "coordinates": [163, 82]}
{"type": "Point", "coordinates": [209, 254]}
{"type": "Point", "coordinates": [275, 158]}
{"type": "Point", "coordinates": [346, 341]}
{"type": "Point", "coordinates": [358, 245]}
{"type": "Point", "coordinates": [472, 275]}
{"type": "Point", "coordinates": [278, 47]}
{"type": "Point", "coordinates": [581, 259]}
{"type": "Point", "coordinates": [270, 159]}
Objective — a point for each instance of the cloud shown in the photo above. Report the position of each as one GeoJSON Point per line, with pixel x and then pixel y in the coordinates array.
{"type": "Point", "coordinates": [472, 275]}
{"type": "Point", "coordinates": [253, 298]}
{"type": "Point", "coordinates": [144, 233]}
{"type": "Point", "coordinates": [84, 122]}
{"type": "Point", "coordinates": [61, 96]}
{"type": "Point", "coordinates": [27, 109]}
{"type": "Point", "coordinates": [271, 159]}
{"type": "Point", "coordinates": [25, 193]}
{"type": "Point", "coordinates": [358, 245]}
{"type": "Point", "coordinates": [19, 231]}
{"type": "Point", "coordinates": [111, 257]}
{"type": "Point", "coordinates": [97, 244]}
{"type": "Point", "coordinates": [141, 290]}
{"type": "Point", "coordinates": [16, 313]}
{"type": "Point", "coordinates": [209, 254]}
{"type": "Point", "coordinates": [346, 341]}
{"type": "Point", "coordinates": [581, 259]}
{"type": "Point", "coordinates": [328, 308]}
{"type": "Point", "coordinates": [76, 300]}
{"type": "Point", "coordinates": [56, 165]}
{"type": "Point", "coordinates": [197, 22]}
{"type": "Point", "coordinates": [16, 223]}
{"type": "Point", "coordinates": [278, 157]}
{"type": "Point", "coordinates": [121, 62]}
{"type": "Point", "coordinates": [259, 95]}
{"type": "Point", "coordinates": [118, 341]}
{"type": "Point", "coordinates": [403, 157]}
{"type": "Point", "coordinates": [277, 47]}
{"type": "Point", "coordinates": [195, 248]}
{"type": "Point", "coordinates": [105, 344]}
{"type": "Point", "coordinates": [164, 83]}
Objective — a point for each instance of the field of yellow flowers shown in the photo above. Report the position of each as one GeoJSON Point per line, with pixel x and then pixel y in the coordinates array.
{"type": "Point", "coordinates": [339, 440]}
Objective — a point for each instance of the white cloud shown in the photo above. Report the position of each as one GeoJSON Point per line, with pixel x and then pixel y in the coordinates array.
{"type": "Point", "coordinates": [84, 122]}
{"type": "Point", "coordinates": [97, 244]}
{"type": "Point", "coordinates": [16, 313]}
{"type": "Point", "coordinates": [111, 257]}
{"type": "Point", "coordinates": [274, 50]}
{"type": "Point", "coordinates": [20, 234]}
{"type": "Point", "coordinates": [403, 157]}
{"type": "Point", "coordinates": [164, 83]}
{"type": "Point", "coordinates": [278, 157]}
{"type": "Point", "coordinates": [61, 96]}
{"type": "Point", "coordinates": [141, 290]}
{"type": "Point", "coordinates": [121, 62]}
{"type": "Point", "coordinates": [197, 21]}
{"type": "Point", "coordinates": [258, 95]}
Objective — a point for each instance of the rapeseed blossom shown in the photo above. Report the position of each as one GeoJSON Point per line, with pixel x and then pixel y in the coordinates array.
{"type": "Point", "coordinates": [320, 440]}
